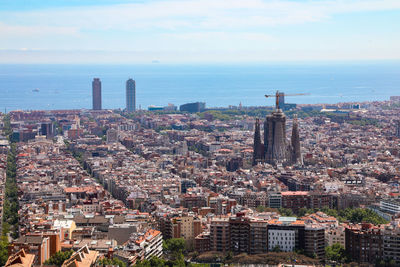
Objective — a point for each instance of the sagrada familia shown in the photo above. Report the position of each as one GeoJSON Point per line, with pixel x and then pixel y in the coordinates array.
{"type": "Point", "coordinates": [276, 148]}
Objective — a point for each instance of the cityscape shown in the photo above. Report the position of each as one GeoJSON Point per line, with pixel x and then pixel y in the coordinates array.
{"type": "Point", "coordinates": [311, 184]}
{"type": "Point", "coordinates": [199, 133]}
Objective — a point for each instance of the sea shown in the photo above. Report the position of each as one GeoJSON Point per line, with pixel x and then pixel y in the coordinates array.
{"type": "Point", "coordinates": [48, 87]}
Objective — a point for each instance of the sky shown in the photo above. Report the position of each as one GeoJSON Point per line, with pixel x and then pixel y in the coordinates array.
{"type": "Point", "coordinates": [198, 31]}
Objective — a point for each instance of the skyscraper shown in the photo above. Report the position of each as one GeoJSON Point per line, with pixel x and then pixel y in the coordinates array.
{"type": "Point", "coordinates": [282, 100]}
{"type": "Point", "coordinates": [398, 128]}
{"type": "Point", "coordinates": [96, 94]}
{"type": "Point", "coordinates": [130, 95]}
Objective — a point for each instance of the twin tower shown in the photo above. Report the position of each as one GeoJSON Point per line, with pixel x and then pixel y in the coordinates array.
{"type": "Point", "coordinates": [130, 94]}
{"type": "Point", "coordinates": [276, 148]}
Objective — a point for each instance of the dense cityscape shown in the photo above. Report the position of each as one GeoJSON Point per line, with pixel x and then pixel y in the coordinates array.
{"type": "Point", "coordinates": [284, 185]}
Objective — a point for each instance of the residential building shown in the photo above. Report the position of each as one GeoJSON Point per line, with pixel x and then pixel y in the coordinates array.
{"type": "Point", "coordinates": [364, 243]}
{"type": "Point", "coordinates": [20, 259]}
{"type": "Point", "coordinates": [83, 257]}
{"type": "Point", "coordinates": [220, 234]}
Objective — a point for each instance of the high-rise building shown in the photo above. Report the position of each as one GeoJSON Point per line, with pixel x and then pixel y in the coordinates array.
{"type": "Point", "coordinates": [281, 100]}
{"type": "Point", "coordinates": [96, 94]}
{"type": "Point", "coordinates": [398, 128]}
{"type": "Point", "coordinates": [130, 95]}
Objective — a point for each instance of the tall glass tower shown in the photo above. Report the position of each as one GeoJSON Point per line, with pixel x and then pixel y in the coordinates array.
{"type": "Point", "coordinates": [96, 94]}
{"type": "Point", "coordinates": [130, 95]}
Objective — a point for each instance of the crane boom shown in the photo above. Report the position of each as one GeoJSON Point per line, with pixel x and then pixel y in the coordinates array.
{"type": "Point", "coordinates": [278, 95]}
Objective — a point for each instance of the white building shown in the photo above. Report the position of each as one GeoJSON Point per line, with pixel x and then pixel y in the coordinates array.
{"type": "Point", "coordinates": [284, 239]}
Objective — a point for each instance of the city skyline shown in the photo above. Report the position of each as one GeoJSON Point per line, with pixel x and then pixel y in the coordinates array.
{"type": "Point", "coordinates": [127, 31]}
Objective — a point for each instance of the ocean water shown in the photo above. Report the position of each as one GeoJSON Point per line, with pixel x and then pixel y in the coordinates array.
{"type": "Point", "coordinates": [69, 86]}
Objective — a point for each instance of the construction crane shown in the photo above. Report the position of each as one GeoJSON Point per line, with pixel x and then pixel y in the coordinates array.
{"type": "Point", "coordinates": [279, 94]}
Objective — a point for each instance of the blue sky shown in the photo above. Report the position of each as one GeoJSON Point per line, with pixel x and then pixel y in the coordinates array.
{"type": "Point", "coordinates": [205, 31]}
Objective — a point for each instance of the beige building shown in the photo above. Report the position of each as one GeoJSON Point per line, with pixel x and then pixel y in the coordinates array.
{"type": "Point", "coordinates": [334, 235]}
{"type": "Point", "coordinates": [68, 227]}
{"type": "Point", "coordinates": [186, 227]}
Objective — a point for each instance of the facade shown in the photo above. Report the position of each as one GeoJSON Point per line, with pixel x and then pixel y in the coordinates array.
{"type": "Point", "coordinates": [284, 239]}
{"type": "Point", "coordinates": [296, 200]}
{"type": "Point", "coordinates": [391, 243]}
{"type": "Point", "coordinates": [314, 241]}
{"type": "Point", "coordinates": [112, 136]}
{"type": "Point", "coordinates": [365, 243]}
{"type": "Point", "coordinates": [335, 235]}
{"type": "Point", "coordinates": [152, 244]}
{"type": "Point", "coordinates": [391, 206]}
{"type": "Point", "coordinates": [275, 200]}
{"type": "Point", "coordinates": [202, 242]}
{"type": "Point", "coordinates": [47, 129]}
{"type": "Point", "coordinates": [130, 95]}
{"type": "Point", "coordinates": [239, 228]}
{"type": "Point", "coordinates": [258, 237]}
{"type": "Point", "coordinates": [219, 234]}
{"type": "Point", "coordinates": [286, 233]}
{"type": "Point", "coordinates": [96, 94]}
{"type": "Point", "coordinates": [186, 227]}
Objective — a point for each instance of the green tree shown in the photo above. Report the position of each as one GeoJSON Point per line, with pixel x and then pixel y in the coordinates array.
{"type": "Point", "coordinates": [58, 258]}
{"type": "Point", "coordinates": [174, 246]}
{"type": "Point", "coordinates": [286, 212]}
{"type": "Point", "coordinates": [113, 261]}
{"type": "Point", "coordinates": [153, 262]}
{"type": "Point", "coordinates": [336, 252]}
{"type": "Point", "coordinates": [260, 208]}
{"type": "Point", "coordinates": [229, 256]}
{"type": "Point", "coordinates": [277, 248]}
{"type": "Point", "coordinates": [11, 204]}
{"type": "Point", "coordinates": [3, 250]}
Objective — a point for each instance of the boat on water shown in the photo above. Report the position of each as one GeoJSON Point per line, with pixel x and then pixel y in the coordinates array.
{"type": "Point", "coordinates": [36, 90]}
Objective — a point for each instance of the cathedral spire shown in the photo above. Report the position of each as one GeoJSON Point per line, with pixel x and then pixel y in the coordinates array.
{"type": "Point", "coordinates": [295, 142]}
{"type": "Point", "coordinates": [258, 147]}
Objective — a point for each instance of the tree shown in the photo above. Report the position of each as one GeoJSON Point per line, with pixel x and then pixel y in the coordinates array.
{"type": "Point", "coordinates": [113, 261]}
{"type": "Point", "coordinates": [286, 212]}
{"type": "Point", "coordinates": [277, 248]}
{"type": "Point", "coordinates": [58, 258]}
{"type": "Point", "coordinates": [336, 252]}
{"type": "Point", "coordinates": [3, 250]}
{"type": "Point", "coordinates": [229, 256]}
{"type": "Point", "coordinates": [174, 245]}
{"type": "Point", "coordinates": [260, 208]}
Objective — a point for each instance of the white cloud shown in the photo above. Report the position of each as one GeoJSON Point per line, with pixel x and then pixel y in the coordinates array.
{"type": "Point", "coordinates": [28, 31]}
{"type": "Point", "coordinates": [185, 25]}
{"type": "Point", "coordinates": [201, 14]}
